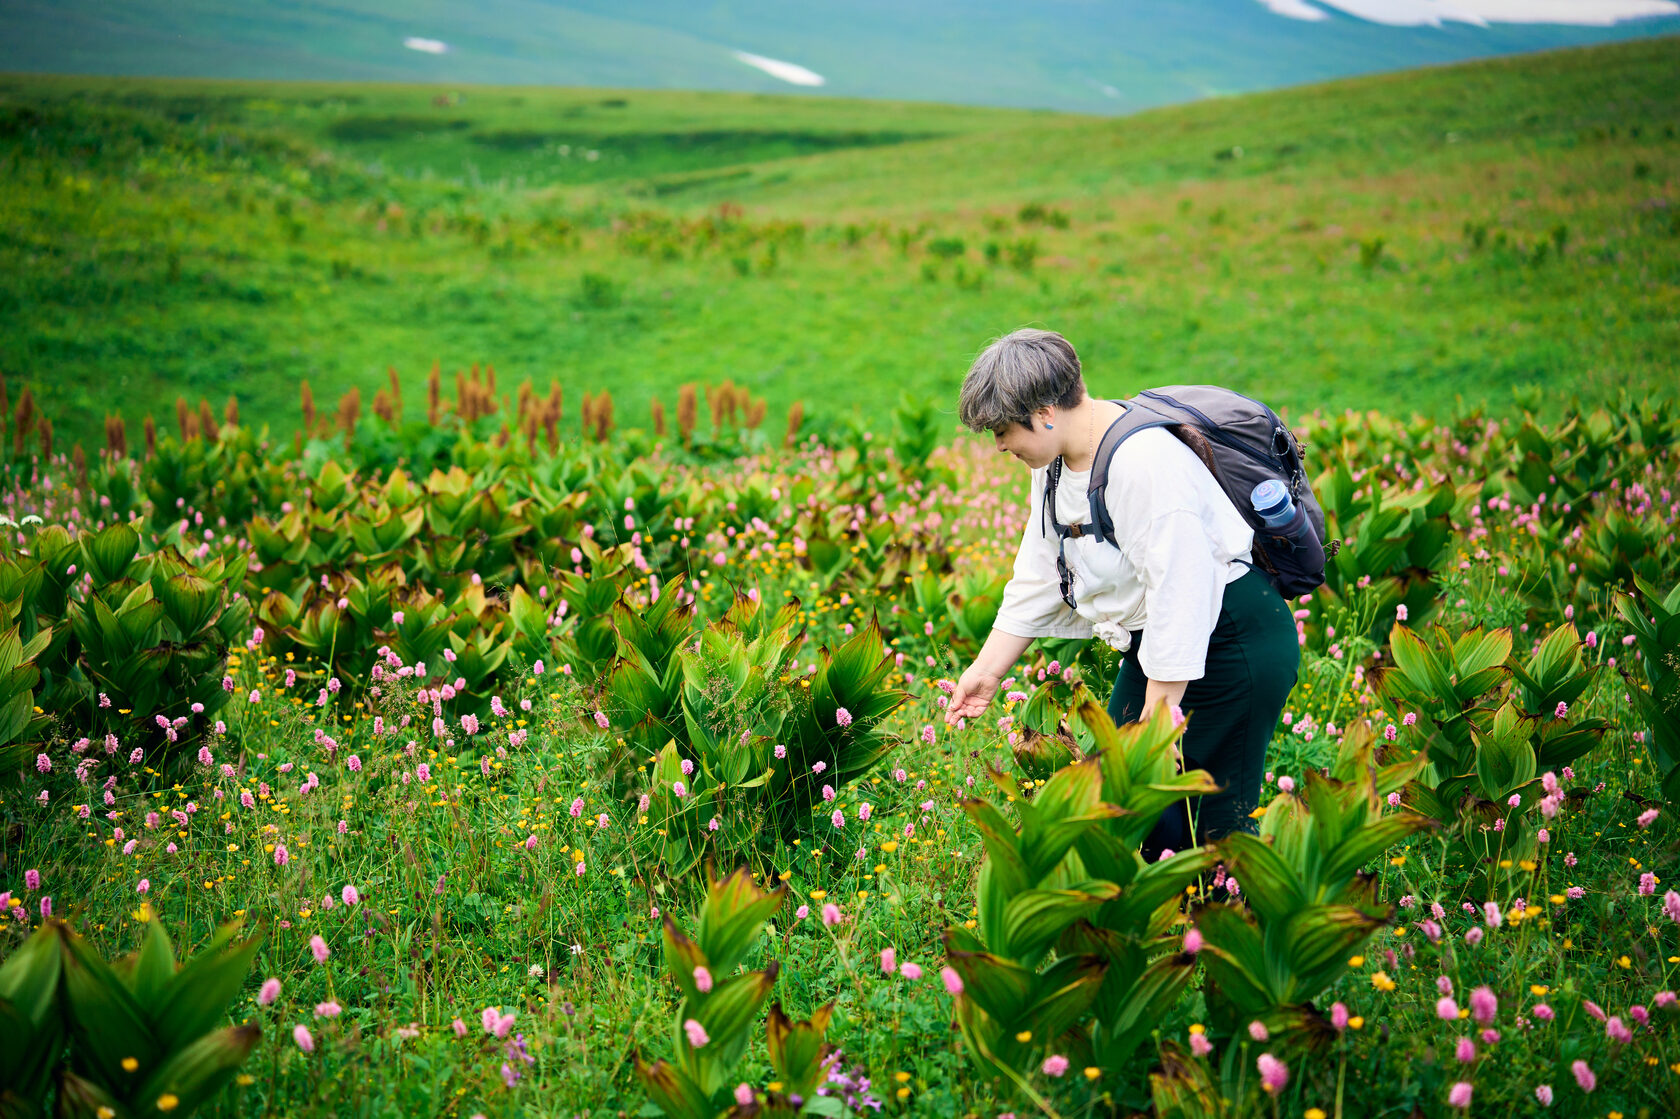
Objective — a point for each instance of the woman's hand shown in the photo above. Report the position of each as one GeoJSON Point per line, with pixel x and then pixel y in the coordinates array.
{"type": "Point", "coordinates": [973, 695]}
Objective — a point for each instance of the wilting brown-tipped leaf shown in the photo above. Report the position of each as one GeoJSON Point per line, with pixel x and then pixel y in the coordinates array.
{"type": "Point", "coordinates": [1185, 1087]}
{"type": "Point", "coordinates": [797, 1049]}
{"type": "Point", "coordinates": [677, 1095]}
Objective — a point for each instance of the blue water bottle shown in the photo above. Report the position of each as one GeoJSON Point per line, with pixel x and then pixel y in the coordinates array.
{"type": "Point", "coordinates": [1287, 525]}
{"type": "Point", "coordinates": [1271, 501]}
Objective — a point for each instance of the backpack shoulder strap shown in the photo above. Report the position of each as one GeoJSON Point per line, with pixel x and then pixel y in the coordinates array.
{"type": "Point", "coordinates": [1137, 416]}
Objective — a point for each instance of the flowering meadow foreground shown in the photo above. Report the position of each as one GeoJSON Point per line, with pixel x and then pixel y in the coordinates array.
{"type": "Point", "coordinates": [470, 768]}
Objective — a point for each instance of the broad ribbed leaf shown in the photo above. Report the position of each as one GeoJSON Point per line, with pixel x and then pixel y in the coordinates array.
{"type": "Point", "coordinates": [1003, 849]}
{"type": "Point", "coordinates": [733, 914]}
{"type": "Point", "coordinates": [106, 1021]}
{"type": "Point", "coordinates": [682, 956]}
{"type": "Point", "coordinates": [1315, 945]}
{"type": "Point", "coordinates": [733, 1005]}
{"type": "Point", "coordinates": [1064, 993]}
{"type": "Point", "coordinates": [1362, 846]}
{"type": "Point", "coordinates": [198, 997]}
{"type": "Point", "coordinates": [190, 601]}
{"type": "Point", "coordinates": [1002, 988]}
{"type": "Point", "coordinates": [1103, 856]}
{"type": "Point", "coordinates": [1271, 885]}
{"type": "Point", "coordinates": [152, 967]}
{"type": "Point", "coordinates": [1153, 885]}
{"type": "Point", "coordinates": [1234, 953]}
{"type": "Point", "coordinates": [1418, 663]}
{"type": "Point", "coordinates": [1476, 652]}
{"type": "Point", "coordinates": [110, 551]}
{"type": "Point", "coordinates": [1147, 1003]}
{"type": "Point", "coordinates": [1035, 918]}
{"type": "Point", "coordinates": [15, 715]}
{"type": "Point", "coordinates": [198, 1070]}
{"type": "Point", "coordinates": [1504, 758]}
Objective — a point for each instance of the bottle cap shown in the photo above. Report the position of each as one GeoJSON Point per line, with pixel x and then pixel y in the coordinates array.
{"type": "Point", "coordinates": [1270, 496]}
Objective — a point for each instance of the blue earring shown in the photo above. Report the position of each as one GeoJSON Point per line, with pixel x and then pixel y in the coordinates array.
{"type": "Point", "coordinates": [1049, 427]}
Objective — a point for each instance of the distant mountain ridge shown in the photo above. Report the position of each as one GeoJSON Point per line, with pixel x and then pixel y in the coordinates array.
{"type": "Point", "coordinates": [1081, 55]}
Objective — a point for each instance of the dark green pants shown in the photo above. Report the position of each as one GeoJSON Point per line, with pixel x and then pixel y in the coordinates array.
{"type": "Point", "coordinates": [1252, 660]}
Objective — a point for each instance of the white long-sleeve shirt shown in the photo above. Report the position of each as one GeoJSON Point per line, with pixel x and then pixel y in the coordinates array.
{"type": "Point", "coordinates": [1180, 542]}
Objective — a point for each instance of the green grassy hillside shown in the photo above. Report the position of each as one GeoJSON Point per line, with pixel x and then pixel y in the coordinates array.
{"type": "Point", "coordinates": [1061, 54]}
{"type": "Point", "coordinates": [1398, 242]}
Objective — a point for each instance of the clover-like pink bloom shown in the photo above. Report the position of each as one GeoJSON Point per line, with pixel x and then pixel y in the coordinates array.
{"type": "Point", "coordinates": [1274, 1074]}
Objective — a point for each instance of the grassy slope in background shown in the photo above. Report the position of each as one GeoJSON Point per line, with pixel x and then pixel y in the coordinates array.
{"type": "Point", "coordinates": [1392, 242]}
{"type": "Point", "coordinates": [1102, 58]}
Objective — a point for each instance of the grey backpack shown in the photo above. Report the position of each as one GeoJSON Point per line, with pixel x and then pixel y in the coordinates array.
{"type": "Point", "coordinates": [1243, 443]}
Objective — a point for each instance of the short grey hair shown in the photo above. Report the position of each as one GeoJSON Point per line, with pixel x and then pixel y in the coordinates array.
{"type": "Point", "coordinates": [1015, 376]}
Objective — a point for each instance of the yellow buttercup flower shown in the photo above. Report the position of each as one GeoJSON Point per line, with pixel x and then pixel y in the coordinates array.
{"type": "Point", "coordinates": [1024, 1036]}
{"type": "Point", "coordinates": [1382, 982]}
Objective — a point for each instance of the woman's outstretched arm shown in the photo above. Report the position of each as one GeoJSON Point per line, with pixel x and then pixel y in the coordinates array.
{"type": "Point", "coordinates": [980, 683]}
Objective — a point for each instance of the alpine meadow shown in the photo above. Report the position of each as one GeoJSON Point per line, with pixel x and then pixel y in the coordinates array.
{"type": "Point", "coordinates": [484, 570]}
